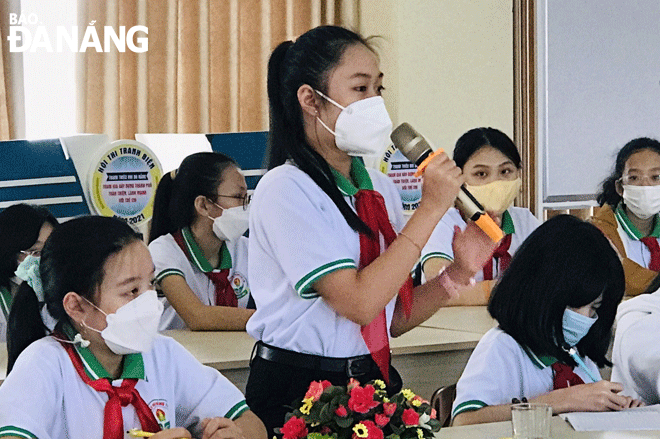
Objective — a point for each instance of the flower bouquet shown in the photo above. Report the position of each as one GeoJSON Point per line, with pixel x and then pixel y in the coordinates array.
{"type": "Point", "coordinates": [357, 412]}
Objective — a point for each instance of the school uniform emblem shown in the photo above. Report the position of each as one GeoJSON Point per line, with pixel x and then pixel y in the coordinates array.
{"type": "Point", "coordinates": [239, 284]}
{"type": "Point", "coordinates": [159, 409]}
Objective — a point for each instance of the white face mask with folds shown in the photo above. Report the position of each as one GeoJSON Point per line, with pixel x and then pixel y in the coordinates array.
{"type": "Point", "coordinates": [134, 326]}
{"type": "Point", "coordinates": [232, 224]}
{"type": "Point", "coordinates": [362, 128]}
{"type": "Point", "coordinates": [643, 201]}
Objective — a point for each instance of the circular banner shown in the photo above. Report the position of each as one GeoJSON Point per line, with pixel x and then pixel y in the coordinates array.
{"type": "Point", "coordinates": [401, 171]}
{"type": "Point", "coordinates": [124, 181]}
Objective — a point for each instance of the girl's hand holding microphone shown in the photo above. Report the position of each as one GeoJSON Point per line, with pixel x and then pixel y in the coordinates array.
{"type": "Point", "coordinates": [442, 181]}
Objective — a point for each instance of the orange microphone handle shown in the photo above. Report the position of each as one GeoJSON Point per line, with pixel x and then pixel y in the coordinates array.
{"type": "Point", "coordinates": [425, 163]}
{"type": "Point", "coordinates": [486, 223]}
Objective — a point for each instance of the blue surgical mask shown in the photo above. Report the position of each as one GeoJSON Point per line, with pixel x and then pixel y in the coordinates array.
{"type": "Point", "coordinates": [575, 326]}
{"type": "Point", "coordinates": [28, 271]}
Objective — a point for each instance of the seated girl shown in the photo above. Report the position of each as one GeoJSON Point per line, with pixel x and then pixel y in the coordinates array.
{"type": "Point", "coordinates": [197, 244]}
{"type": "Point", "coordinates": [630, 202]}
{"type": "Point", "coordinates": [555, 307]}
{"type": "Point", "coordinates": [23, 230]}
{"type": "Point", "coordinates": [105, 370]}
{"type": "Point", "coordinates": [491, 166]}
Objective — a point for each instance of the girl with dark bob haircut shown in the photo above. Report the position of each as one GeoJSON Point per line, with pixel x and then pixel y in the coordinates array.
{"type": "Point", "coordinates": [24, 229]}
{"type": "Point", "coordinates": [197, 244]}
{"type": "Point", "coordinates": [555, 307]}
{"type": "Point", "coordinates": [630, 202]}
{"type": "Point", "coordinates": [326, 290]}
{"type": "Point", "coordinates": [492, 170]}
{"type": "Point", "coordinates": [104, 369]}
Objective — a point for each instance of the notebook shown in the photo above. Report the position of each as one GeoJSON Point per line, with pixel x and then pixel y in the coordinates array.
{"type": "Point", "coordinates": [640, 418]}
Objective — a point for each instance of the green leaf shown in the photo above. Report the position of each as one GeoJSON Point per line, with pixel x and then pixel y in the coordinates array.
{"type": "Point", "coordinates": [344, 422]}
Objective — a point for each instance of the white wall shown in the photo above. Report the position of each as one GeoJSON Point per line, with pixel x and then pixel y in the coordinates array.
{"type": "Point", "coordinates": [448, 64]}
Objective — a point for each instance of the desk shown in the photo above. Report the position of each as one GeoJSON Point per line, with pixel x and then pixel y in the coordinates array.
{"type": "Point", "coordinates": [427, 358]}
{"type": "Point", "coordinates": [559, 430]}
{"type": "Point", "coordinates": [462, 318]}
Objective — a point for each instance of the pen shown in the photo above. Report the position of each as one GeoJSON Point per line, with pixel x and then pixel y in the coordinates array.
{"type": "Point", "coordinates": [139, 433]}
{"type": "Point", "coordinates": [574, 355]}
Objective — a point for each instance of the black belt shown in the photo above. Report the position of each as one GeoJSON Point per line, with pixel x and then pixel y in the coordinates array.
{"type": "Point", "coordinates": [352, 366]}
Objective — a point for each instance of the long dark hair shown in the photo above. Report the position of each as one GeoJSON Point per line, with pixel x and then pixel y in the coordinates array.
{"type": "Point", "coordinates": [565, 262]}
{"type": "Point", "coordinates": [174, 205]}
{"type": "Point", "coordinates": [72, 259]}
{"type": "Point", "coordinates": [608, 193]}
{"type": "Point", "coordinates": [20, 225]}
{"type": "Point", "coordinates": [309, 60]}
{"type": "Point", "coordinates": [477, 138]}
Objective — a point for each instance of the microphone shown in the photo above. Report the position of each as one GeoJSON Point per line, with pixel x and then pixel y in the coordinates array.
{"type": "Point", "coordinates": [416, 149]}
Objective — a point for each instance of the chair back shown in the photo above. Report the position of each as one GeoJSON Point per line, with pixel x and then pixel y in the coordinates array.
{"type": "Point", "coordinates": [441, 401]}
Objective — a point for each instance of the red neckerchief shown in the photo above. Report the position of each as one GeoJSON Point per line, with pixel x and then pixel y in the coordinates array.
{"type": "Point", "coordinates": [564, 376]}
{"type": "Point", "coordinates": [502, 254]}
{"type": "Point", "coordinates": [118, 397]}
{"type": "Point", "coordinates": [224, 293]}
{"type": "Point", "coordinates": [370, 207]}
{"type": "Point", "coordinates": [654, 248]}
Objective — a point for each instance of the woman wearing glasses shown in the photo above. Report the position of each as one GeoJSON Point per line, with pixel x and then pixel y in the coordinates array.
{"type": "Point", "coordinates": [198, 247]}
{"type": "Point", "coordinates": [630, 200]}
{"type": "Point", "coordinates": [24, 229]}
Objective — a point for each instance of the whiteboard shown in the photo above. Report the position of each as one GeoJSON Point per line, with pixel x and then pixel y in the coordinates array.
{"type": "Point", "coordinates": [598, 86]}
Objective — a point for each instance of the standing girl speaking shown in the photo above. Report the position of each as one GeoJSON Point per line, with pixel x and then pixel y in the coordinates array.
{"type": "Point", "coordinates": [105, 368]}
{"type": "Point", "coordinates": [197, 244]}
{"type": "Point", "coordinates": [328, 235]}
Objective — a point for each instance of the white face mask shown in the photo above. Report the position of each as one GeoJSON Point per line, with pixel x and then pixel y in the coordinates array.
{"type": "Point", "coordinates": [643, 201]}
{"type": "Point", "coordinates": [363, 128]}
{"type": "Point", "coordinates": [496, 196]}
{"type": "Point", "coordinates": [232, 223]}
{"type": "Point", "coordinates": [134, 326]}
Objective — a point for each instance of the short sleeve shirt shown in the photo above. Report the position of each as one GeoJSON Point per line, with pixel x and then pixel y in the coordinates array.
{"type": "Point", "coordinates": [6, 300]}
{"type": "Point", "coordinates": [297, 236]}
{"type": "Point", "coordinates": [169, 260]}
{"type": "Point", "coordinates": [500, 369]}
{"type": "Point", "coordinates": [516, 221]}
{"type": "Point", "coordinates": [636, 250]}
{"type": "Point", "coordinates": [44, 397]}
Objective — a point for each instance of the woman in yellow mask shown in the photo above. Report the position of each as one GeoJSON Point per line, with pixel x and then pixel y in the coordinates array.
{"type": "Point", "coordinates": [491, 166]}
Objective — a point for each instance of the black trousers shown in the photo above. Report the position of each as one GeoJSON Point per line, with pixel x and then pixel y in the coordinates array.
{"type": "Point", "coordinates": [273, 388]}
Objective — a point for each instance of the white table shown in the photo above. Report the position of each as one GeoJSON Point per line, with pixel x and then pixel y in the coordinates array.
{"type": "Point", "coordinates": [559, 430]}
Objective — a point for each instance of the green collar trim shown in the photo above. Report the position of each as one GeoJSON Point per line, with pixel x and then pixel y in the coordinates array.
{"type": "Point", "coordinates": [507, 223]}
{"type": "Point", "coordinates": [359, 175]}
{"type": "Point", "coordinates": [197, 257]}
{"type": "Point", "coordinates": [6, 300]}
{"type": "Point", "coordinates": [630, 228]}
{"type": "Point", "coordinates": [540, 361]}
{"type": "Point", "coordinates": [133, 363]}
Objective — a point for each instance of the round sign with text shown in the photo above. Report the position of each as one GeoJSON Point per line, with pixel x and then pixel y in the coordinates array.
{"type": "Point", "coordinates": [401, 171]}
{"type": "Point", "coordinates": [124, 181]}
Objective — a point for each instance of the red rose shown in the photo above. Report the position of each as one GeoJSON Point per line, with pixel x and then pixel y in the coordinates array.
{"type": "Point", "coordinates": [434, 414]}
{"type": "Point", "coordinates": [341, 411]}
{"type": "Point", "coordinates": [362, 399]}
{"type": "Point", "coordinates": [381, 419]}
{"type": "Point", "coordinates": [389, 408]}
{"type": "Point", "coordinates": [315, 390]}
{"type": "Point", "coordinates": [373, 432]}
{"type": "Point", "coordinates": [352, 383]}
{"type": "Point", "coordinates": [326, 384]}
{"type": "Point", "coordinates": [294, 428]}
{"type": "Point", "coordinates": [410, 417]}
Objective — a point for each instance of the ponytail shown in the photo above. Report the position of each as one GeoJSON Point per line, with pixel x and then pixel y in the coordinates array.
{"type": "Point", "coordinates": [24, 325]}
{"type": "Point", "coordinates": [160, 221]}
{"type": "Point", "coordinates": [307, 61]}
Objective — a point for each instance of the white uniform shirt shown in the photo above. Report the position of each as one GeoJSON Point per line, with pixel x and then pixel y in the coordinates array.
{"type": "Point", "coordinates": [44, 397]}
{"type": "Point", "coordinates": [297, 236]}
{"type": "Point", "coordinates": [636, 250]}
{"type": "Point", "coordinates": [6, 300]}
{"type": "Point", "coordinates": [169, 260]}
{"type": "Point", "coordinates": [517, 221]}
{"type": "Point", "coordinates": [500, 369]}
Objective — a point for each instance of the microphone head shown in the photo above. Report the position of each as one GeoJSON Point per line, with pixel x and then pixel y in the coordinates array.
{"type": "Point", "coordinates": [411, 144]}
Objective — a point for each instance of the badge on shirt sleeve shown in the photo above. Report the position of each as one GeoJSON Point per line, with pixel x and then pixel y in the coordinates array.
{"type": "Point", "coordinates": [159, 409]}
{"type": "Point", "coordinates": [239, 284]}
